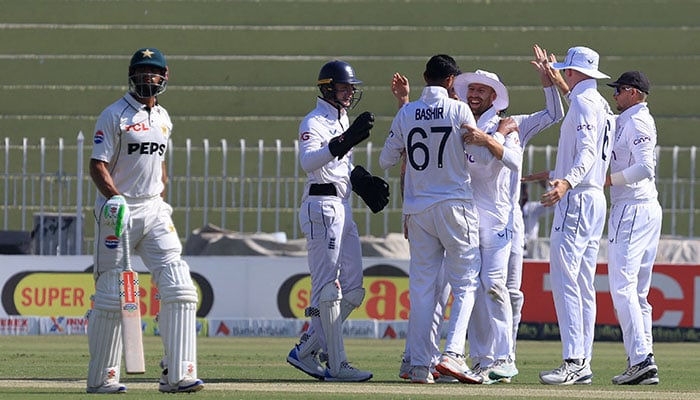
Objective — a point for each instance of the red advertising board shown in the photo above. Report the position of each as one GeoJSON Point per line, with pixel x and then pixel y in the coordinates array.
{"type": "Point", "coordinates": [674, 295]}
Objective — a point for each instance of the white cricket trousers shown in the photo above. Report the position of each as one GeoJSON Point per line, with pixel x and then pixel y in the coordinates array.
{"type": "Point", "coordinates": [633, 235]}
{"type": "Point", "coordinates": [491, 325]}
{"type": "Point", "coordinates": [579, 220]}
{"type": "Point", "coordinates": [333, 244]}
{"type": "Point", "coordinates": [445, 235]}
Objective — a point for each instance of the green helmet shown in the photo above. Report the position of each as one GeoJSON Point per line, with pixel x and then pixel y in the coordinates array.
{"type": "Point", "coordinates": [141, 84]}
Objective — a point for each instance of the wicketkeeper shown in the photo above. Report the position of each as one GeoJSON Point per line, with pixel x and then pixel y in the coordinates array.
{"type": "Point", "coordinates": [326, 139]}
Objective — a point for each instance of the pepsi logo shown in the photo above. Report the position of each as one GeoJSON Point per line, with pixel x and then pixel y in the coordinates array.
{"type": "Point", "coordinates": [99, 137]}
{"type": "Point", "coordinates": [111, 242]}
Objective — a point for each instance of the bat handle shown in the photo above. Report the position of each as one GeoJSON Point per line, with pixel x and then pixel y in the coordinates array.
{"type": "Point", "coordinates": [126, 246]}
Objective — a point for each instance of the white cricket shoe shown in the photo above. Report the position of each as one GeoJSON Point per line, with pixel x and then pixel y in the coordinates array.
{"type": "Point", "coordinates": [421, 374]}
{"type": "Point", "coordinates": [454, 365]}
{"type": "Point", "coordinates": [483, 372]}
{"type": "Point", "coordinates": [107, 388]}
{"type": "Point", "coordinates": [347, 373]}
{"type": "Point", "coordinates": [310, 364]}
{"type": "Point", "coordinates": [568, 373]}
{"type": "Point", "coordinates": [503, 369]}
{"type": "Point", "coordinates": [187, 385]}
{"type": "Point", "coordinates": [636, 374]}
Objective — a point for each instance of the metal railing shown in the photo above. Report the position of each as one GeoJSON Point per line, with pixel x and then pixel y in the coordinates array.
{"type": "Point", "coordinates": [246, 188]}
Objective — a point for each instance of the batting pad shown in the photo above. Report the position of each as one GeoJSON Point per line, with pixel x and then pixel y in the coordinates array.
{"type": "Point", "coordinates": [177, 321]}
{"type": "Point", "coordinates": [178, 331]}
{"type": "Point", "coordinates": [332, 324]}
{"type": "Point", "coordinates": [105, 343]}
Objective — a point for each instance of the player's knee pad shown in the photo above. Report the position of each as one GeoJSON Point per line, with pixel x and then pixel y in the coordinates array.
{"type": "Point", "coordinates": [105, 345]}
{"type": "Point", "coordinates": [106, 296]}
{"type": "Point", "coordinates": [175, 283]}
{"type": "Point", "coordinates": [351, 300]}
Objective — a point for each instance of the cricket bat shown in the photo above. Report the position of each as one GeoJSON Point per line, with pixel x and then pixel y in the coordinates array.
{"type": "Point", "coordinates": [129, 297]}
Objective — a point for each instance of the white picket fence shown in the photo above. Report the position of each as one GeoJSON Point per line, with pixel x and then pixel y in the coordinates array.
{"type": "Point", "coordinates": [46, 189]}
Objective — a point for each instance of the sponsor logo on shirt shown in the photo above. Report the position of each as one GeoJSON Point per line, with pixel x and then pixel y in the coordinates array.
{"type": "Point", "coordinates": [641, 140]}
{"type": "Point", "coordinates": [99, 137]}
{"type": "Point", "coordinates": [146, 148]}
{"type": "Point", "coordinates": [111, 242]}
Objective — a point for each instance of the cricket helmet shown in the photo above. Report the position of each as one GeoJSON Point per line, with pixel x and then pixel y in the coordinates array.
{"type": "Point", "coordinates": [337, 72]}
{"type": "Point", "coordinates": [143, 84]}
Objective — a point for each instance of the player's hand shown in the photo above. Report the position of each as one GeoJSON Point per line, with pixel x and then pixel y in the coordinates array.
{"type": "Point", "coordinates": [475, 136]}
{"type": "Point", "coordinates": [116, 215]}
{"type": "Point", "coordinates": [400, 88]}
{"type": "Point", "coordinates": [559, 189]}
{"type": "Point", "coordinates": [507, 125]}
{"type": "Point", "coordinates": [356, 133]}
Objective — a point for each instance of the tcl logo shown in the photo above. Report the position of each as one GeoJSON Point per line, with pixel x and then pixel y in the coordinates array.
{"type": "Point", "coordinates": [140, 127]}
{"type": "Point", "coordinates": [146, 148]}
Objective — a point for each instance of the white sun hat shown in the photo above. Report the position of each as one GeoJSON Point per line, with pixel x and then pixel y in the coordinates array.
{"type": "Point", "coordinates": [582, 59]}
{"type": "Point", "coordinates": [463, 80]}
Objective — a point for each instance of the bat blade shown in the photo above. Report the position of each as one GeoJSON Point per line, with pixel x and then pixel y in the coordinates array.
{"type": "Point", "coordinates": [129, 297]}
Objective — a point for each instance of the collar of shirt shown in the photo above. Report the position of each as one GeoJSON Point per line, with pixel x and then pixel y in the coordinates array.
{"type": "Point", "coordinates": [584, 85]}
{"type": "Point", "coordinates": [432, 93]}
{"type": "Point", "coordinates": [488, 121]}
{"type": "Point", "coordinates": [134, 103]}
{"type": "Point", "coordinates": [628, 113]}
{"type": "Point", "coordinates": [329, 109]}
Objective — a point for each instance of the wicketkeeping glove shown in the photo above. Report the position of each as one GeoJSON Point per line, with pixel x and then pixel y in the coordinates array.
{"type": "Point", "coordinates": [357, 132]}
{"type": "Point", "coordinates": [116, 215]}
{"type": "Point", "coordinates": [373, 189]}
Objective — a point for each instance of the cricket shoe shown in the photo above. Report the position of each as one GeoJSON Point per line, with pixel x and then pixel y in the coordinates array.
{"type": "Point", "coordinates": [569, 373]}
{"type": "Point", "coordinates": [421, 374]}
{"type": "Point", "coordinates": [503, 369]}
{"type": "Point", "coordinates": [187, 385]}
{"type": "Point", "coordinates": [405, 369]}
{"type": "Point", "coordinates": [347, 373]}
{"type": "Point", "coordinates": [107, 387]}
{"type": "Point", "coordinates": [652, 380]}
{"type": "Point", "coordinates": [637, 373]}
{"type": "Point", "coordinates": [453, 365]}
{"type": "Point", "coordinates": [484, 374]}
{"type": "Point", "coordinates": [308, 364]}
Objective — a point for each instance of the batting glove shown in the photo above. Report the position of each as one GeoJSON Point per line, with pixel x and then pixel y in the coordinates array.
{"type": "Point", "coordinates": [116, 215]}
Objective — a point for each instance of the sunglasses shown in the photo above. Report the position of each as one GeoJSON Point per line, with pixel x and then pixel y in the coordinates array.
{"type": "Point", "coordinates": [619, 89]}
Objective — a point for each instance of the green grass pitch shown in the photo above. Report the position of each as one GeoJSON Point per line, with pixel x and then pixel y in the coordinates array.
{"type": "Point", "coordinates": [43, 367]}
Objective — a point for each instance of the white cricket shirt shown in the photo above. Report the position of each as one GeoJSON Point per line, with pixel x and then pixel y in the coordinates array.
{"type": "Point", "coordinates": [318, 127]}
{"type": "Point", "coordinates": [585, 140]}
{"type": "Point", "coordinates": [133, 141]}
{"type": "Point", "coordinates": [634, 161]}
{"type": "Point", "coordinates": [429, 129]}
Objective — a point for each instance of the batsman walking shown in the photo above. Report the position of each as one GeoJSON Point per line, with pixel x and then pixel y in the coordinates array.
{"type": "Point", "coordinates": [128, 169]}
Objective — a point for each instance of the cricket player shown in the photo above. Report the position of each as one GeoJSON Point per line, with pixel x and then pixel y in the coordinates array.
{"type": "Point", "coordinates": [583, 156]}
{"type": "Point", "coordinates": [440, 215]}
{"type": "Point", "coordinates": [326, 139]}
{"type": "Point", "coordinates": [128, 169]}
{"type": "Point", "coordinates": [490, 338]}
{"type": "Point", "coordinates": [634, 225]}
